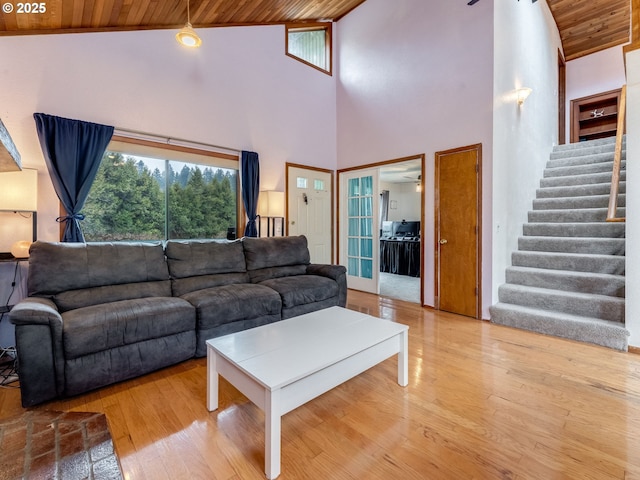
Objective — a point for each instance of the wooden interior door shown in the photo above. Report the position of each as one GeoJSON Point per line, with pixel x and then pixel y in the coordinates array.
{"type": "Point", "coordinates": [458, 230]}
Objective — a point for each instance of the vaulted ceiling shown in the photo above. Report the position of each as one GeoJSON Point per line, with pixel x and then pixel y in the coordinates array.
{"type": "Point", "coordinates": [586, 26]}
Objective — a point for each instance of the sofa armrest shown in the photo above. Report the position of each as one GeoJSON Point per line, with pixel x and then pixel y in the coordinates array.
{"type": "Point", "coordinates": [34, 311]}
{"type": "Point", "coordinates": [334, 272]}
{"type": "Point", "coordinates": [39, 349]}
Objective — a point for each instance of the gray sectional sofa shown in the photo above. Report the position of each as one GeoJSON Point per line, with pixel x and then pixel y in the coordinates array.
{"type": "Point", "coordinates": [99, 313]}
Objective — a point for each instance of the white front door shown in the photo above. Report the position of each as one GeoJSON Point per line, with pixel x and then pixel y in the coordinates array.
{"type": "Point", "coordinates": [359, 227]}
{"type": "Point", "coordinates": [309, 194]}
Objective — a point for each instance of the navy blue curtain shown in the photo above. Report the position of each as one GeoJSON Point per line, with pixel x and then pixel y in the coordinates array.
{"type": "Point", "coordinates": [72, 151]}
{"type": "Point", "coordinates": [250, 177]}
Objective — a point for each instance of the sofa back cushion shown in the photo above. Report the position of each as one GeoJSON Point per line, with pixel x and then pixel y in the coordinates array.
{"type": "Point", "coordinates": [198, 264]}
{"type": "Point", "coordinates": [275, 257]}
{"type": "Point", "coordinates": [77, 275]}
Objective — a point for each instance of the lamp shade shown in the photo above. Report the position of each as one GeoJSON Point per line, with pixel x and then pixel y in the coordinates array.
{"type": "Point", "coordinates": [19, 191]}
{"type": "Point", "coordinates": [271, 204]}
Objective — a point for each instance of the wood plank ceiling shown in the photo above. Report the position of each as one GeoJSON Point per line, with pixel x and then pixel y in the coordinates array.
{"type": "Point", "coordinates": [72, 16]}
{"type": "Point", "coordinates": [586, 26]}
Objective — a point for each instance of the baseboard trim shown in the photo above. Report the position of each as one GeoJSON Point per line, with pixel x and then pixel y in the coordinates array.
{"type": "Point", "coordinates": [635, 350]}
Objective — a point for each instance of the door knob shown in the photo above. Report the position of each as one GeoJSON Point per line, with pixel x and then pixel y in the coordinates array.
{"type": "Point", "coordinates": [443, 241]}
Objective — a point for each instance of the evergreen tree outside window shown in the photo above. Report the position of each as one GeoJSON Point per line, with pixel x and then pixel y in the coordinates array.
{"type": "Point", "coordinates": [136, 197]}
{"type": "Point", "coordinates": [310, 44]}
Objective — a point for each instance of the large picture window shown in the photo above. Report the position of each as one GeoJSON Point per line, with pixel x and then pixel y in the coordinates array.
{"type": "Point", "coordinates": [147, 194]}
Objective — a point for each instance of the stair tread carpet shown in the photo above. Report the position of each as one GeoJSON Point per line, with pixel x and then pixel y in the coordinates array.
{"type": "Point", "coordinates": [579, 262]}
{"type": "Point", "coordinates": [568, 229]}
{"type": "Point", "coordinates": [573, 327]}
{"type": "Point", "coordinates": [568, 280]}
{"type": "Point", "coordinates": [579, 190]}
{"type": "Point", "coordinates": [567, 275]}
{"type": "Point", "coordinates": [584, 159]}
{"type": "Point", "coordinates": [603, 307]}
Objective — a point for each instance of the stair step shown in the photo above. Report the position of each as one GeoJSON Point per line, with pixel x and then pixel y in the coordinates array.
{"type": "Point", "coordinates": [595, 229]}
{"type": "Point", "coordinates": [596, 306]}
{"type": "Point", "coordinates": [583, 282]}
{"type": "Point", "coordinates": [587, 179]}
{"type": "Point", "coordinates": [578, 215]}
{"type": "Point", "coordinates": [579, 190]}
{"type": "Point", "coordinates": [590, 168]}
{"type": "Point", "coordinates": [569, 161]}
{"type": "Point", "coordinates": [578, 262]}
{"type": "Point", "coordinates": [591, 145]}
{"type": "Point", "coordinates": [580, 328]}
{"type": "Point", "coordinates": [600, 246]}
{"type": "Point", "coordinates": [590, 201]}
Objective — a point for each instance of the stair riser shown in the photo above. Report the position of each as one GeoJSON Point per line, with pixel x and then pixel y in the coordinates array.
{"type": "Point", "coordinates": [581, 169]}
{"type": "Point", "coordinates": [598, 246]}
{"type": "Point", "coordinates": [594, 146]}
{"type": "Point", "coordinates": [605, 335]}
{"type": "Point", "coordinates": [611, 286]}
{"type": "Point", "coordinates": [595, 201]}
{"type": "Point", "coordinates": [600, 230]}
{"type": "Point", "coordinates": [604, 308]}
{"type": "Point", "coordinates": [571, 216]}
{"type": "Point", "coordinates": [614, 265]}
{"type": "Point", "coordinates": [579, 190]}
{"type": "Point", "coordinates": [584, 159]}
{"type": "Point", "coordinates": [580, 179]}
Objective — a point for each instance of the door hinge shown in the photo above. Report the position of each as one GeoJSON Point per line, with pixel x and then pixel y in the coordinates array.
{"type": "Point", "coordinates": [477, 168]}
{"type": "Point", "coordinates": [475, 291]}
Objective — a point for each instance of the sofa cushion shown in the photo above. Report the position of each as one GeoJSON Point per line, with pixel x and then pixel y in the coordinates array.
{"type": "Point", "coordinates": [302, 289]}
{"type": "Point", "coordinates": [275, 257]}
{"type": "Point", "coordinates": [86, 297]}
{"type": "Point", "coordinates": [198, 264]}
{"type": "Point", "coordinates": [218, 305]}
{"type": "Point", "coordinates": [59, 267]}
{"type": "Point", "coordinates": [102, 327]}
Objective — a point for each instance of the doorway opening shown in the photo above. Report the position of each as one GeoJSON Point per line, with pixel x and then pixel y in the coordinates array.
{"type": "Point", "coordinates": [397, 227]}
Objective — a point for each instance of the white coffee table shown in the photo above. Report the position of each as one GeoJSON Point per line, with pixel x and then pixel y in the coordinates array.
{"type": "Point", "coordinates": [283, 365]}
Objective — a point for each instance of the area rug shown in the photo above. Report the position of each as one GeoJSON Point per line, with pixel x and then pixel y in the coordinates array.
{"type": "Point", "coordinates": [57, 445]}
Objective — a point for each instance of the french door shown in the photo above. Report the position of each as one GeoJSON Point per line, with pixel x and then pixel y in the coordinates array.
{"type": "Point", "coordinates": [359, 219]}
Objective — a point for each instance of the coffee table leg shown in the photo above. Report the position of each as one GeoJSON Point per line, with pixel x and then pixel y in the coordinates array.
{"type": "Point", "coordinates": [212, 380]}
{"type": "Point", "coordinates": [403, 359]}
{"type": "Point", "coordinates": [272, 433]}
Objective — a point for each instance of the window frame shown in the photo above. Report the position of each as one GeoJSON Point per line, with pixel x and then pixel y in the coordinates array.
{"type": "Point", "coordinates": [309, 27]}
{"type": "Point", "coordinates": [192, 154]}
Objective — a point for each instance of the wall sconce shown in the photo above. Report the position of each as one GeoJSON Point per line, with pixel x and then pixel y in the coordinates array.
{"type": "Point", "coordinates": [522, 94]}
{"type": "Point", "coordinates": [271, 207]}
{"type": "Point", "coordinates": [19, 194]}
{"type": "Point", "coordinates": [419, 184]}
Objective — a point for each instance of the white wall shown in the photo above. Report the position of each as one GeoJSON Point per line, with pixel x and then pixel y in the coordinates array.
{"type": "Point", "coordinates": [407, 201]}
{"type": "Point", "coordinates": [632, 257]}
{"type": "Point", "coordinates": [238, 90]}
{"type": "Point", "coordinates": [593, 74]}
{"type": "Point", "coordinates": [415, 76]}
{"type": "Point", "coordinates": [526, 55]}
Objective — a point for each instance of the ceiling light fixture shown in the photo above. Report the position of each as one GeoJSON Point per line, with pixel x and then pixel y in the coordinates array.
{"type": "Point", "coordinates": [187, 36]}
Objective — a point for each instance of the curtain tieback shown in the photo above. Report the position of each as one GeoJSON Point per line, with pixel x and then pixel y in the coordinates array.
{"type": "Point", "coordinates": [75, 216]}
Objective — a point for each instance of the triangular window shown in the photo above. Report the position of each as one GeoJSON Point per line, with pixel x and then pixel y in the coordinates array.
{"type": "Point", "coordinates": [310, 44]}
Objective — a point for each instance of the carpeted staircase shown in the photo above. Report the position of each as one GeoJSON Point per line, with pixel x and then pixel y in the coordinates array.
{"type": "Point", "coordinates": [567, 277]}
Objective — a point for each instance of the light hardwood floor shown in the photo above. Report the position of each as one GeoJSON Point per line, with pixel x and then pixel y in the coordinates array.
{"type": "Point", "coordinates": [483, 402]}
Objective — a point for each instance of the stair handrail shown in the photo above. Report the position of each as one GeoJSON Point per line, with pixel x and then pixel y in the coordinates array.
{"type": "Point", "coordinates": [617, 159]}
